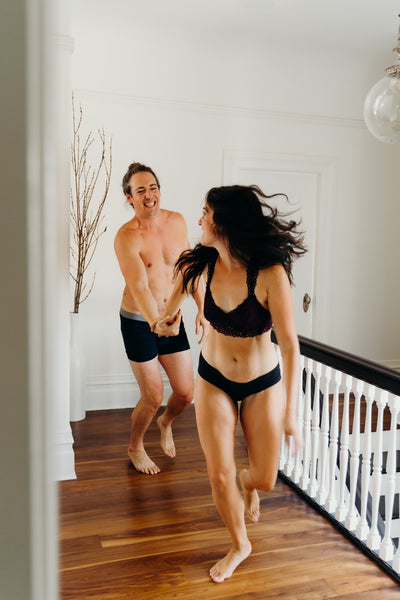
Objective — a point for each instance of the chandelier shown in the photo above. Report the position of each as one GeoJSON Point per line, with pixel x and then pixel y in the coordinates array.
{"type": "Point", "coordinates": [382, 104]}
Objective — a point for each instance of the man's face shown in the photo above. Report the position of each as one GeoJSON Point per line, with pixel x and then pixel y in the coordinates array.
{"type": "Point", "coordinates": [145, 194]}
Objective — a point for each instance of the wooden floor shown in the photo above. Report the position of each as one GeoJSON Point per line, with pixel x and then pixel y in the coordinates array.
{"type": "Point", "coordinates": [124, 535]}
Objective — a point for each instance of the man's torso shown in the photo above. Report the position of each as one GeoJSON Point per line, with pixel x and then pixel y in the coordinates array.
{"type": "Point", "coordinates": [159, 248]}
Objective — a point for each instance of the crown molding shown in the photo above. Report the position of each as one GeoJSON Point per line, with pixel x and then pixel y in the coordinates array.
{"type": "Point", "coordinates": [216, 109]}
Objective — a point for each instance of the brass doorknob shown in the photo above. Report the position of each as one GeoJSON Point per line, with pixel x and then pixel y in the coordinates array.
{"type": "Point", "coordinates": [306, 302]}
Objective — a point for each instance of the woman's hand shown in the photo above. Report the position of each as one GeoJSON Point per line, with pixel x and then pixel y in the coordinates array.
{"type": "Point", "coordinates": [202, 322]}
{"type": "Point", "coordinates": [291, 429]}
{"type": "Point", "coordinates": [168, 326]}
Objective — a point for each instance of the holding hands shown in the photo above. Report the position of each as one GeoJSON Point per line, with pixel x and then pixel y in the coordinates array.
{"type": "Point", "coordinates": [168, 326]}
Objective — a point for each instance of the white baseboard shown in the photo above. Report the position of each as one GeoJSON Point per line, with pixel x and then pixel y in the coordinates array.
{"type": "Point", "coordinates": [65, 459]}
{"type": "Point", "coordinates": [105, 392]}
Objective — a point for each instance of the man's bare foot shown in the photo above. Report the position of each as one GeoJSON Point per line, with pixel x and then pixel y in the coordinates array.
{"type": "Point", "coordinates": [224, 568]}
{"type": "Point", "coordinates": [142, 462]}
{"type": "Point", "coordinates": [167, 441]}
{"type": "Point", "coordinates": [251, 499]}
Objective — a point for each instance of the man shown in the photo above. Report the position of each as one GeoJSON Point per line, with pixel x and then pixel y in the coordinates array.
{"type": "Point", "coordinates": [147, 248]}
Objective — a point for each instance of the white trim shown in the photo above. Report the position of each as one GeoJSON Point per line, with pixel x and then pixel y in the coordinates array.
{"type": "Point", "coordinates": [120, 390]}
{"type": "Point", "coordinates": [40, 196]}
{"type": "Point", "coordinates": [65, 467]}
{"type": "Point", "coordinates": [216, 109]}
{"type": "Point", "coordinates": [324, 167]}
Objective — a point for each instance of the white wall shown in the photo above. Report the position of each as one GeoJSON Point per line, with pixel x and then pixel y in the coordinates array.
{"type": "Point", "coordinates": [177, 95]}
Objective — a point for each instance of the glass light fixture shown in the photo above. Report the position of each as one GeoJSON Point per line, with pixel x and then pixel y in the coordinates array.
{"type": "Point", "coordinates": [382, 104]}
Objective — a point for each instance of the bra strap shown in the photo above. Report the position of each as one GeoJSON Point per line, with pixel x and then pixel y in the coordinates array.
{"type": "Point", "coordinates": [210, 270]}
{"type": "Point", "coordinates": [252, 274]}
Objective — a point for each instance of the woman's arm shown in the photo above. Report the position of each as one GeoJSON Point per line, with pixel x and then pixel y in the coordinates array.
{"type": "Point", "coordinates": [169, 322]}
{"type": "Point", "coordinates": [280, 304]}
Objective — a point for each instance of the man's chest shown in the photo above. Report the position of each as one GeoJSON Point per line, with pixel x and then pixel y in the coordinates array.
{"type": "Point", "coordinates": [158, 250]}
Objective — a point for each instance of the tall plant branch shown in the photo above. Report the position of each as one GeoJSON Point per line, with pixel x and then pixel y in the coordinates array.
{"type": "Point", "coordinates": [86, 219]}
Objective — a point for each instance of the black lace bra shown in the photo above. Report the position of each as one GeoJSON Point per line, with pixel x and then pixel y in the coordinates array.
{"type": "Point", "coordinates": [248, 319]}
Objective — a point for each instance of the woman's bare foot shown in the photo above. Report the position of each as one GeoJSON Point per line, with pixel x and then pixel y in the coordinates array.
{"type": "Point", "coordinates": [142, 462]}
{"type": "Point", "coordinates": [224, 568]}
{"type": "Point", "coordinates": [167, 441]}
{"type": "Point", "coordinates": [251, 499]}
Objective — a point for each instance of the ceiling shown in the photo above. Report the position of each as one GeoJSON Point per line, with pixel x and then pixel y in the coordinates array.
{"type": "Point", "coordinates": [369, 26]}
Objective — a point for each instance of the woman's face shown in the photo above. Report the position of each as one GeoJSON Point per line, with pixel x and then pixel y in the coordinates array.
{"type": "Point", "coordinates": [206, 222]}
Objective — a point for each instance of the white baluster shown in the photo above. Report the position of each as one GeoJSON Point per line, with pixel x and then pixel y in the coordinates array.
{"type": "Point", "coordinates": [282, 455]}
{"type": "Point", "coordinates": [323, 466]}
{"type": "Point", "coordinates": [333, 446]}
{"type": "Point", "coordinates": [363, 527]}
{"type": "Point", "coordinates": [352, 515]}
{"type": "Point", "coordinates": [374, 539]}
{"type": "Point", "coordinates": [296, 474]}
{"type": "Point", "coordinates": [315, 431]}
{"type": "Point", "coordinates": [305, 476]}
{"type": "Point", "coordinates": [396, 561]}
{"type": "Point", "coordinates": [344, 451]}
{"type": "Point", "coordinates": [386, 550]}
{"type": "Point", "coordinates": [289, 453]}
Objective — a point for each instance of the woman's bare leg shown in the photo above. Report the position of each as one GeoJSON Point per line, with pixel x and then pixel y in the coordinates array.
{"type": "Point", "coordinates": [262, 420]}
{"type": "Point", "coordinates": [216, 421]}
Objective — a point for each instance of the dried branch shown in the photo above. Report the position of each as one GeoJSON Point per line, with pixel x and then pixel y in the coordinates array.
{"type": "Point", "coordinates": [85, 218]}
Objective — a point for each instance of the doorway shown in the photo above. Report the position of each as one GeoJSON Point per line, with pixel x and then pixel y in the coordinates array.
{"type": "Point", "coordinates": [308, 184]}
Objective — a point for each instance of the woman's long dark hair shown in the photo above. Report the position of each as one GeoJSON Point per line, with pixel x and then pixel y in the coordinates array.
{"type": "Point", "coordinates": [256, 233]}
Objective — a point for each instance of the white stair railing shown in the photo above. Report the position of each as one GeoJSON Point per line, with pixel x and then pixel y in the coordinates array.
{"type": "Point", "coordinates": [349, 463]}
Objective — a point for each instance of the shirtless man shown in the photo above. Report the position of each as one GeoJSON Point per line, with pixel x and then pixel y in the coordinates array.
{"type": "Point", "coordinates": [147, 248]}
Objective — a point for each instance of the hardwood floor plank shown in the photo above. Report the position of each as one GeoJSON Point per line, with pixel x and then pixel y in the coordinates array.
{"type": "Point", "coordinates": [124, 535]}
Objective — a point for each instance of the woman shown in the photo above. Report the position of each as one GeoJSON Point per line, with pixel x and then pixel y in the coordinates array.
{"type": "Point", "coordinates": [246, 255]}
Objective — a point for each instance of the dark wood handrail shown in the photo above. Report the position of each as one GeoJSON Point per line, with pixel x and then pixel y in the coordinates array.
{"type": "Point", "coordinates": [361, 368]}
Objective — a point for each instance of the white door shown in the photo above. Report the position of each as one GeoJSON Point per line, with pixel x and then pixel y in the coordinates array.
{"type": "Point", "coordinates": [302, 191]}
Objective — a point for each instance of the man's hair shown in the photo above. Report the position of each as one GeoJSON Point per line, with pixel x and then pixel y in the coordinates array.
{"type": "Point", "coordinates": [134, 168]}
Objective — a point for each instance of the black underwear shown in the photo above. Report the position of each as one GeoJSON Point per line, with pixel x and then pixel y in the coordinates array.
{"type": "Point", "coordinates": [237, 391]}
{"type": "Point", "coordinates": [142, 344]}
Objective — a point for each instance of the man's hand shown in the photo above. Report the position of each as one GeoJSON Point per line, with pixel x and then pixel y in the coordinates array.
{"type": "Point", "coordinates": [202, 322]}
{"type": "Point", "coordinates": [168, 326]}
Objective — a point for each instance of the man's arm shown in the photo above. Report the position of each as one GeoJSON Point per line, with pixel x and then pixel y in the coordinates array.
{"type": "Point", "coordinates": [128, 254]}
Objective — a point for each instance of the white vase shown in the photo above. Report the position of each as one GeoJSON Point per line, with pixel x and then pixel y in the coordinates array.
{"type": "Point", "coordinates": [77, 372]}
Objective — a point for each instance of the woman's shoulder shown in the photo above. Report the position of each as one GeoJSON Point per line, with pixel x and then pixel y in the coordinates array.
{"type": "Point", "coordinates": [274, 274]}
